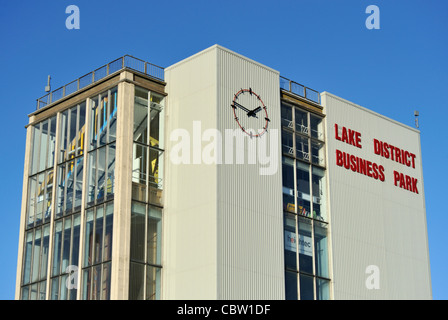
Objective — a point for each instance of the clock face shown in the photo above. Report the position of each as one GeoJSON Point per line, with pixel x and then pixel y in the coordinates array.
{"type": "Point", "coordinates": [250, 112]}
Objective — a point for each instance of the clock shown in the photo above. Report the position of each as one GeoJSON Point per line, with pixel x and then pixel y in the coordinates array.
{"type": "Point", "coordinates": [250, 113]}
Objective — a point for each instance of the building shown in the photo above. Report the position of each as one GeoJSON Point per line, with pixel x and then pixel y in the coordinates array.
{"type": "Point", "coordinates": [217, 178]}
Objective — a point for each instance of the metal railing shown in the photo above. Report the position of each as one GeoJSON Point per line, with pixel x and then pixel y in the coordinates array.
{"type": "Point", "coordinates": [124, 62]}
{"type": "Point", "coordinates": [299, 89]}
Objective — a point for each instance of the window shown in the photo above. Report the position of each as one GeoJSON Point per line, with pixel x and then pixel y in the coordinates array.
{"type": "Point", "coordinates": [147, 171]}
{"type": "Point", "coordinates": [145, 268]}
{"type": "Point", "coordinates": [97, 252]}
{"type": "Point", "coordinates": [307, 275]}
{"type": "Point", "coordinates": [66, 242]}
{"type": "Point", "coordinates": [302, 135]}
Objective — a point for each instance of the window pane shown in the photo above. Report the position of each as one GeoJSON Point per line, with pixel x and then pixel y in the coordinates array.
{"type": "Point", "coordinates": [306, 287]}
{"type": "Point", "coordinates": [86, 284]}
{"type": "Point", "coordinates": [302, 148]}
{"type": "Point", "coordinates": [43, 146]}
{"type": "Point", "coordinates": [139, 172]}
{"type": "Point", "coordinates": [303, 189]}
{"type": "Point", "coordinates": [317, 153]}
{"type": "Point", "coordinates": [42, 290]}
{"type": "Point", "coordinates": [70, 182]}
{"type": "Point", "coordinates": [102, 118]}
{"type": "Point", "coordinates": [156, 126]}
{"type": "Point", "coordinates": [36, 255]}
{"type": "Point", "coordinates": [63, 295]}
{"type": "Point", "coordinates": [54, 289]}
{"type": "Point", "coordinates": [154, 236]}
{"type": "Point", "coordinates": [88, 249]}
{"type": "Point", "coordinates": [319, 194]}
{"type": "Point", "coordinates": [91, 178]}
{"type": "Point", "coordinates": [96, 283]}
{"type": "Point", "coordinates": [73, 115]}
{"type": "Point", "coordinates": [45, 251]}
{"type": "Point", "coordinates": [25, 293]}
{"type": "Point", "coordinates": [110, 184]}
{"type": "Point", "coordinates": [287, 117]}
{"type": "Point", "coordinates": [32, 201]}
{"type": "Point", "coordinates": [291, 285]}
{"type": "Point", "coordinates": [40, 198]}
{"type": "Point", "coordinates": [323, 289]}
{"type": "Point", "coordinates": [79, 170]}
{"type": "Point", "coordinates": [101, 175]}
{"type": "Point", "coordinates": [141, 115]}
{"type": "Point", "coordinates": [287, 143]}
{"type": "Point", "coordinates": [290, 241]}
{"type": "Point", "coordinates": [66, 244]}
{"type": "Point", "coordinates": [138, 232]}
{"type": "Point", "coordinates": [35, 147]}
{"type": "Point", "coordinates": [57, 248]}
{"type": "Point", "coordinates": [305, 246]}
{"type": "Point", "coordinates": [108, 232]}
{"type": "Point", "coordinates": [288, 184]}
{"type": "Point", "coordinates": [60, 195]}
{"type": "Point", "coordinates": [321, 249]}
{"type": "Point", "coordinates": [48, 194]}
{"type": "Point", "coordinates": [153, 283]}
{"type": "Point", "coordinates": [105, 283]}
{"type": "Point", "coordinates": [113, 115]}
{"type": "Point", "coordinates": [81, 129]}
{"type": "Point", "coordinates": [33, 293]}
{"type": "Point", "coordinates": [154, 180]}
{"type": "Point", "coordinates": [64, 135]}
{"type": "Point", "coordinates": [27, 257]}
{"type": "Point", "coordinates": [316, 127]}
{"type": "Point", "coordinates": [301, 121]}
{"type": "Point", "coordinates": [76, 238]}
{"type": "Point", "coordinates": [51, 142]}
{"type": "Point", "coordinates": [136, 281]}
{"type": "Point", "coordinates": [99, 235]}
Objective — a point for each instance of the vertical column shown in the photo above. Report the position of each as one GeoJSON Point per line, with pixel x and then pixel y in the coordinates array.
{"type": "Point", "coordinates": [26, 171]}
{"type": "Point", "coordinates": [123, 190]}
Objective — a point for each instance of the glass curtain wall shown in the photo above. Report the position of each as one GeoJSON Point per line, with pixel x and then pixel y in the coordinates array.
{"type": "Point", "coordinates": [147, 195]}
{"type": "Point", "coordinates": [39, 210]}
{"type": "Point", "coordinates": [304, 203]}
{"type": "Point", "coordinates": [69, 158]}
{"type": "Point", "coordinates": [100, 186]}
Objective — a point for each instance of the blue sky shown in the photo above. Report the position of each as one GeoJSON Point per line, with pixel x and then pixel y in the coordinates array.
{"type": "Point", "coordinates": [323, 44]}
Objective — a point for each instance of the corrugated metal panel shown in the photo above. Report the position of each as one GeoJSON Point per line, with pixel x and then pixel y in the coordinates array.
{"type": "Point", "coordinates": [250, 225]}
{"type": "Point", "coordinates": [189, 235]}
{"type": "Point", "coordinates": [374, 222]}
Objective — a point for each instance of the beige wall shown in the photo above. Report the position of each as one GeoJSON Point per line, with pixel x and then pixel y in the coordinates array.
{"type": "Point", "coordinates": [374, 222]}
{"type": "Point", "coordinates": [223, 227]}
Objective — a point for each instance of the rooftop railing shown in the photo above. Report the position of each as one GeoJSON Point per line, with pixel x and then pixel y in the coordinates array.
{"type": "Point", "coordinates": [125, 62]}
{"type": "Point", "coordinates": [299, 89]}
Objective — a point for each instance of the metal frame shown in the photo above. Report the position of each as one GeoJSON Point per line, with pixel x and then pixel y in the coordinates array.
{"type": "Point", "coordinates": [127, 62]}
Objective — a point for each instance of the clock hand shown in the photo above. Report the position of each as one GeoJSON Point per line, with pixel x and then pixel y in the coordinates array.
{"type": "Point", "coordinates": [236, 104]}
{"type": "Point", "coordinates": [253, 112]}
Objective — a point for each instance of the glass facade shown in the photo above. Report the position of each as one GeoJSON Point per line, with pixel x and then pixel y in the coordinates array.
{"type": "Point", "coordinates": [81, 167]}
{"type": "Point", "coordinates": [307, 275]}
{"type": "Point", "coordinates": [147, 195]}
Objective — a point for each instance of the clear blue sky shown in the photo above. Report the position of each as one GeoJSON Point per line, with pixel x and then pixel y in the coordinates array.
{"type": "Point", "coordinates": [325, 45]}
